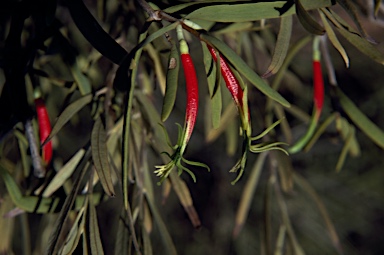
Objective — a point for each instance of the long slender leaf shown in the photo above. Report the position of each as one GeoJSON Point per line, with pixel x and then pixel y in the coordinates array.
{"type": "Point", "coordinates": [100, 157]}
{"type": "Point", "coordinates": [67, 114]}
{"type": "Point", "coordinates": [94, 232]}
{"type": "Point", "coordinates": [74, 234]}
{"type": "Point", "coordinates": [250, 11]}
{"type": "Point", "coordinates": [361, 120]}
{"type": "Point", "coordinates": [56, 236]}
{"type": "Point", "coordinates": [172, 82]}
{"type": "Point", "coordinates": [64, 173]}
{"type": "Point", "coordinates": [333, 38]}
{"type": "Point", "coordinates": [244, 69]}
{"type": "Point", "coordinates": [307, 21]}
{"type": "Point", "coordinates": [281, 48]}
{"type": "Point", "coordinates": [248, 193]}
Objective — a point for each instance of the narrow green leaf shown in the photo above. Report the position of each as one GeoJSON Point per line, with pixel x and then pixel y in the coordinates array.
{"type": "Point", "coordinates": [361, 120]}
{"type": "Point", "coordinates": [171, 83]}
{"type": "Point", "coordinates": [346, 149]}
{"type": "Point", "coordinates": [351, 9]}
{"type": "Point", "coordinates": [244, 69]}
{"type": "Point", "coordinates": [333, 38]}
{"type": "Point", "coordinates": [377, 7]}
{"type": "Point", "coordinates": [281, 48]}
{"type": "Point", "coordinates": [81, 80]}
{"type": "Point", "coordinates": [127, 124]}
{"type": "Point", "coordinates": [67, 114]}
{"type": "Point", "coordinates": [94, 232]}
{"type": "Point", "coordinates": [100, 157]}
{"type": "Point", "coordinates": [94, 33]}
{"type": "Point", "coordinates": [63, 174]}
{"type": "Point", "coordinates": [251, 11]}
{"type": "Point", "coordinates": [362, 45]}
{"type": "Point", "coordinates": [305, 186]}
{"type": "Point", "coordinates": [307, 21]}
{"type": "Point", "coordinates": [248, 193]}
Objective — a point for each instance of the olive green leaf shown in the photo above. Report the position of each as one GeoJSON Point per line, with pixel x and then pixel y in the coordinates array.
{"type": "Point", "coordinates": [244, 69]}
{"type": "Point", "coordinates": [67, 114]}
{"type": "Point", "coordinates": [171, 82]}
{"type": "Point", "coordinates": [250, 11]}
{"type": "Point", "coordinates": [281, 48]}
{"type": "Point", "coordinates": [74, 234]}
{"type": "Point", "coordinates": [81, 80]}
{"type": "Point", "coordinates": [56, 237]}
{"type": "Point", "coordinates": [100, 157]}
{"type": "Point", "coordinates": [307, 21]}
{"type": "Point", "coordinates": [361, 120]}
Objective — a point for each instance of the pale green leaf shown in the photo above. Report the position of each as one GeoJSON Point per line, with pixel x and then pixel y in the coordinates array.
{"type": "Point", "coordinates": [250, 11]}
{"type": "Point", "coordinates": [67, 114]}
{"type": "Point", "coordinates": [74, 234]}
{"type": "Point", "coordinates": [63, 174]}
{"type": "Point", "coordinates": [281, 48]}
{"type": "Point", "coordinates": [171, 82]}
{"type": "Point", "coordinates": [81, 80]}
{"type": "Point", "coordinates": [361, 120]}
{"type": "Point", "coordinates": [244, 69]}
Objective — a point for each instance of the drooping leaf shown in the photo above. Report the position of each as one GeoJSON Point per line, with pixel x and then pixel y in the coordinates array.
{"type": "Point", "coordinates": [333, 38]}
{"type": "Point", "coordinates": [244, 69]}
{"type": "Point", "coordinates": [307, 21]}
{"type": "Point", "coordinates": [100, 157]}
{"type": "Point", "coordinates": [248, 193]}
{"type": "Point", "coordinates": [281, 48]}
{"type": "Point", "coordinates": [93, 228]}
{"type": "Point", "coordinates": [56, 237]}
{"type": "Point", "coordinates": [94, 33]}
{"type": "Point", "coordinates": [127, 125]}
{"type": "Point", "coordinates": [250, 11]}
{"type": "Point", "coordinates": [74, 234]}
{"type": "Point", "coordinates": [361, 120]}
{"type": "Point", "coordinates": [160, 76]}
{"type": "Point", "coordinates": [215, 101]}
{"type": "Point", "coordinates": [63, 174]}
{"type": "Point", "coordinates": [67, 114]}
{"type": "Point", "coordinates": [82, 81]}
{"type": "Point", "coordinates": [171, 83]}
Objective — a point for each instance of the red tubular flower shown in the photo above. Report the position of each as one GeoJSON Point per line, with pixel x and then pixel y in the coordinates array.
{"type": "Point", "coordinates": [44, 129]}
{"type": "Point", "coordinates": [192, 95]}
{"type": "Point", "coordinates": [229, 78]}
{"type": "Point", "coordinates": [318, 87]}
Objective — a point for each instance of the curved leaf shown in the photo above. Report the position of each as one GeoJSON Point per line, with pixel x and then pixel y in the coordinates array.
{"type": "Point", "coordinates": [281, 48]}
{"type": "Point", "coordinates": [244, 69]}
{"type": "Point", "coordinates": [94, 33]}
{"type": "Point", "coordinates": [67, 114]}
{"type": "Point", "coordinates": [94, 232]}
{"type": "Point", "coordinates": [100, 157]}
{"type": "Point", "coordinates": [307, 21]}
